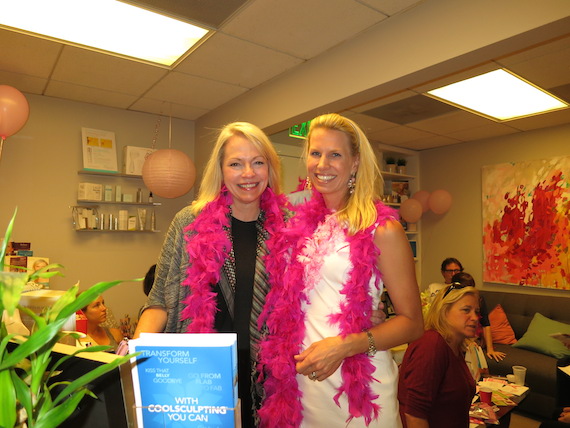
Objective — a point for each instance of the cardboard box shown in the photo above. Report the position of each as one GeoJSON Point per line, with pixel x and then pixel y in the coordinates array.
{"type": "Point", "coordinates": [133, 159]}
{"type": "Point", "coordinates": [26, 264]}
{"type": "Point", "coordinates": [15, 263]}
{"type": "Point", "coordinates": [90, 192]}
{"type": "Point", "coordinates": [21, 245]}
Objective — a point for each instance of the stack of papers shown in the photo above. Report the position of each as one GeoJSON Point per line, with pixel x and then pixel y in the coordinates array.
{"type": "Point", "coordinates": [502, 390]}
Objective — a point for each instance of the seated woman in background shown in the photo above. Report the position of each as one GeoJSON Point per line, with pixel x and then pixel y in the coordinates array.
{"type": "Point", "coordinates": [96, 314]}
{"type": "Point", "coordinates": [435, 386]}
{"type": "Point", "coordinates": [466, 280]}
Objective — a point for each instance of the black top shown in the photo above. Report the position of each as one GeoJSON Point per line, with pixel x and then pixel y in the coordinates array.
{"type": "Point", "coordinates": [244, 237]}
{"type": "Point", "coordinates": [244, 240]}
{"type": "Point", "coordinates": [483, 312]}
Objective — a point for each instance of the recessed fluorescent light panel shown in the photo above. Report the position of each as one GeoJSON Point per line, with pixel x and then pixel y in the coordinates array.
{"type": "Point", "coordinates": [106, 25]}
{"type": "Point", "coordinates": [499, 95]}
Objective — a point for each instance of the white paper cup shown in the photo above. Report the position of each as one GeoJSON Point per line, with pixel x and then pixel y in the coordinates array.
{"type": "Point", "coordinates": [520, 374]}
{"type": "Point", "coordinates": [511, 378]}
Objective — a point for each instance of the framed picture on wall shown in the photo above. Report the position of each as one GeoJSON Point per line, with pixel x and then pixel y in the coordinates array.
{"type": "Point", "coordinates": [526, 227]}
{"type": "Point", "coordinates": [99, 150]}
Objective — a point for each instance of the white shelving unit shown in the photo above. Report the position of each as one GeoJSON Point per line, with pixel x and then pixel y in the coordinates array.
{"type": "Point", "coordinates": [411, 176]}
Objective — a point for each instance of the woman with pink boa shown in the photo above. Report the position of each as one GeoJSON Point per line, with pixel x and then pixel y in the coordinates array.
{"type": "Point", "coordinates": [210, 276]}
{"type": "Point", "coordinates": [324, 364]}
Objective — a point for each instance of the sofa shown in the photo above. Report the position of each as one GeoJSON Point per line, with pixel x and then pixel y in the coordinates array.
{"type": "Point", "coordinates": [520, 310]}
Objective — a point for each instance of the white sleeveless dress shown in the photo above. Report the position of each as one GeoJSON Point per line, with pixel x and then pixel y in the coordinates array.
{"type": "Point", "coordinates": [319, 408]}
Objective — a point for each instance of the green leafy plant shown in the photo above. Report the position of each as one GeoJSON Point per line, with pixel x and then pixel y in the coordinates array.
{"type": "Point", "coordinates": [27, 377]}
{"type": "Point", "coordinates": [390, 160]}
{"type": "Point", "coordinates": [401, 162]}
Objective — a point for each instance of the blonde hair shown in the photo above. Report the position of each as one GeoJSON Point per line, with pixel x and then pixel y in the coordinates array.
{"type": "Point", "coordinates": [436, 318]}
{"type": "Point", "coordinates": [359, 210]}
{"type": "Point", "coordinates": [213, 178]}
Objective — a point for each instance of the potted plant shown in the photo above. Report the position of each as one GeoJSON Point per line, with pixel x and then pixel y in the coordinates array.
{"type": "Point", "coordinates": [27, 376]}
{"type": "Point", "coordinates": [401, 165]}
{"type": "Point", "coordinates": [391, 164]}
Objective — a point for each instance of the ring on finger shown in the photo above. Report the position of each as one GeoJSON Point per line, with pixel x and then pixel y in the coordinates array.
{"type": "Point", "coordinates": [313, 375]}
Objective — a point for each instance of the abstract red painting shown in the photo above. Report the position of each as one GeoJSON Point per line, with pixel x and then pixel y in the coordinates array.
{"type": "Point", "coordinates": [526, 223]}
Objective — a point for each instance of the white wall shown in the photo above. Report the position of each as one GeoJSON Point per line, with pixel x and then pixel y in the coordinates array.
{"type": "Point", "coordinates": [457, 168]}
{"type": "Point", "coordinates": [38, 174]}
{"type": "Point", "coordinates": [290, 151]}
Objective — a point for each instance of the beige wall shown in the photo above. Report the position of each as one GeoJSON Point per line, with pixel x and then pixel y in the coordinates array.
{"type": "Point", "coordinates": [458, 233]}
{"type": "Point", "coordinates": [38, 174]}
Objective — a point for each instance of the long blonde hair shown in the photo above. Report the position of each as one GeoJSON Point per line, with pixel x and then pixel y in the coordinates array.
{"type": "Point", "coordinates": [436, 318]}
{"type": "Point", "coordinates": [213, 176]}
{"type": "Point", "coordinates": [359, 210]}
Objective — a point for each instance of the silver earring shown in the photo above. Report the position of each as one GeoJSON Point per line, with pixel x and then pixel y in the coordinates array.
{"type": "Point", "coordinates": [351, 184]}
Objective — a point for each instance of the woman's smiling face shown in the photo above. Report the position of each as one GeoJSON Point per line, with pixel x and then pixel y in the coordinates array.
{"type": "Point", "coordinates": [330, 164]}
{"type": "Point", "coordinates": [245, 171]}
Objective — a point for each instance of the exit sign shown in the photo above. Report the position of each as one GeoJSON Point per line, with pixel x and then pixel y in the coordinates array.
{"type": "Point", "coordinates": [299, 131]}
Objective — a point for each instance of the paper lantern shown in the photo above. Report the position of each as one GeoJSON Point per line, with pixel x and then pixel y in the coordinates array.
{"type": "Point", "coordinates": [422, 196]}
{"type": "Point", "coordinates": [14, 111]}
{"type": "Point", "coordinates": [169, 173]}
{"type": "Point", "coordinates": [411, 210]}
{"type": "Point", "coordinates": [440, 201]}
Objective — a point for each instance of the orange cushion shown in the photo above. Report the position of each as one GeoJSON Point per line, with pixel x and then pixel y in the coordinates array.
{"type": "Point", "coordinates": [500, 327]}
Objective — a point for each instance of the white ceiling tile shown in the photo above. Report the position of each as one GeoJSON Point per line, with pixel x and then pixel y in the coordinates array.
{"type": "Point", "coordinates": [398, 134]}
{"type": "Point", "coordinates": [23, 82]}
{"type": "Point", "coordinates": [88, 95]}
{"type": "Point", "coordinates": [547, 71]}
{"type": "Point", "coordinates": [236, 61]}
{"type": "Point", "coordinates": [27, 55]}
{"type": "Point", "coordinates": [369, 124]}
{"type": "Point", "coordinates": [492, 129]}
{"type": "Point", "coordinates": [391, 7]}
{"type": "Point", "coordinates": [541, 121]}
{"type": "Point", "coordinates": [194, 91]}
{"type": "Point", "coordinates": [96, 70]}
{"type": "Point", "coordinates": [301, 28]}
{"type": "Point", "coordinates": [159, 107]}
{"type": "Point", "coordinates": [429, 143]}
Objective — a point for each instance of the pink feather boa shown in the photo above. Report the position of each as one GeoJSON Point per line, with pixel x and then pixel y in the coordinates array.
{"type": "Point", "coordinates": [285, 319]}
{"type": "Point", "coordinates": [208, 246]}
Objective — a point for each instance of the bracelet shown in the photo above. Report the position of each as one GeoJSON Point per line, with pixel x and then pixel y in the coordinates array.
{"type": "Point", "coordinates": [371, 344]}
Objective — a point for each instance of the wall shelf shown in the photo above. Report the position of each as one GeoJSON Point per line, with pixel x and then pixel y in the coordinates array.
{"type": "Point", "coordinates": [146, 204]}
{"type": "Point", "coordinates": [109, 174]}
{"type": "Point", "coordinates": [117, 231]}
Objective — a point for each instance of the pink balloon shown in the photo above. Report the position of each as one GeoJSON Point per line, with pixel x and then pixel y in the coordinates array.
{"type": "Point", "coordinates": [411, 210]}
{"type": "Point", "coordinates": [14, 111]}
{"type": "Point", "coordinates": [423, 197]}
{"type": "Point", "coordinates": [440, 201]}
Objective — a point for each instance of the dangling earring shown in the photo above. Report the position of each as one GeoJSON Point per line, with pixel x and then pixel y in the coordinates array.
{"type": "Point", "coordinates": [351, 184]}
{"type": "Point", "coordinates": [308, 184]}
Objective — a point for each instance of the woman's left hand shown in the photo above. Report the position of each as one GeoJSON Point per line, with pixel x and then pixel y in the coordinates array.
{"type": "Point", "coordinates": [322, 358]}
{"type": "Point", "coordinates": [496, 355]}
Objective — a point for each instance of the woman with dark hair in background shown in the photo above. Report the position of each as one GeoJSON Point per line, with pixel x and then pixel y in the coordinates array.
{"type": "Point", "coordinates": [96, 314]}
